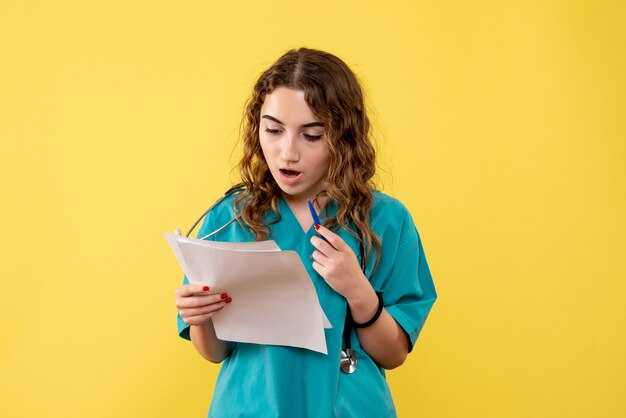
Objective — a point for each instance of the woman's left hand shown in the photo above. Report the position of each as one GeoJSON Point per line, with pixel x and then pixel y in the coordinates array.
{"type": "Point", "coordinates": [337, 264]}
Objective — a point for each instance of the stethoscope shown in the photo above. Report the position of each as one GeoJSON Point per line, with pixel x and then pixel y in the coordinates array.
{"type": "Point", "coordinates": [348, 360]}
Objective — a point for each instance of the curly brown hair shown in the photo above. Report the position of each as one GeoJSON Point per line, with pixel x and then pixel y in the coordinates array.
{"type": "Point", "coordinates": [334, 94]}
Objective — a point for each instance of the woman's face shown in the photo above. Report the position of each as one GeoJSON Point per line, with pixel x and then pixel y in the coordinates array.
{"type": "Point", "coordinates": [293, 144]}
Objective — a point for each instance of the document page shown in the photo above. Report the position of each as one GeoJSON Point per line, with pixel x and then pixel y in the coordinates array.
{"type": "Point", "coordinates": [274, 300]}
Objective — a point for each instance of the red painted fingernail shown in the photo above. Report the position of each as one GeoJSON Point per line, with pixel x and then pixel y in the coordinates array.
{"type": "Point", "coordinates": [229, 300]}
{"type": "Point", "coordinates": [224, 296]}
{"type": "Point", "coordinates": [205, 288]}
{"type": "Point", "coordinates": [317, 227]}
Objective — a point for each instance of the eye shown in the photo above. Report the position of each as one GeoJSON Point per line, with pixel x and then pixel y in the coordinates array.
{"type": "Point", "coordinates": [313, 138]}
{"type": "Point", "coordinates": [271, 131]}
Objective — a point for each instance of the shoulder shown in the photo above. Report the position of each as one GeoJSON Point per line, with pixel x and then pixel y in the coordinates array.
{"type": "Point", "coordinates": [382, 200]}
{"type": "Point", "coordinates": [388, 207]}
{"type": "Point", "coordinates": [391, 220]}
{"type": "Point", "coordinates": [220, 211]}
{"type": "Point", "coordinates": [225, 204]}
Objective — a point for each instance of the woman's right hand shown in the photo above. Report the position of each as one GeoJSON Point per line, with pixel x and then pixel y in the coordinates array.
{"type": "Point", "coordinates": [196, 305]}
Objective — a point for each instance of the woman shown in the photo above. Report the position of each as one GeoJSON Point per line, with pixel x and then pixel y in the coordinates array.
{"type": "Point", "coordinates": [306, 136]}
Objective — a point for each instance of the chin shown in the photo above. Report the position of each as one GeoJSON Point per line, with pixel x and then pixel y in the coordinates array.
{"type": "Point", "coordinates": [293, 192]}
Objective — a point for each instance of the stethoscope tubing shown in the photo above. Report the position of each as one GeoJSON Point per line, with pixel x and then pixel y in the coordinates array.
{"type": "Point", "coordinates": [228, 192]}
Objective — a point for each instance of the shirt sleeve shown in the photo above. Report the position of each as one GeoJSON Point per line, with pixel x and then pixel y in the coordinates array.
{"type": "Point", "coordinates": [409, 294]}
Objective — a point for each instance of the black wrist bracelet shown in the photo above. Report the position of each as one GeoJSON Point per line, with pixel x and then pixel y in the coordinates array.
{"type": "Point", "coordinates": [376, 315]}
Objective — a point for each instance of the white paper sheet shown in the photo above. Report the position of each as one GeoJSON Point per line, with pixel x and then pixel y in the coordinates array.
{"type": "Point", "coordinates": [274, 301]}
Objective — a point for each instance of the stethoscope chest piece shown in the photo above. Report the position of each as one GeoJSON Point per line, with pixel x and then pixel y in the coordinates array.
{"type": "Point", "coordinates": [348, 361]}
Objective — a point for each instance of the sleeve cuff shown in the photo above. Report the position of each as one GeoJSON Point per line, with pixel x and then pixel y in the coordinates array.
{"type": "Point", "coordinates": [183, 329]}
{"type": "Point", "coordinates": [405, 322]}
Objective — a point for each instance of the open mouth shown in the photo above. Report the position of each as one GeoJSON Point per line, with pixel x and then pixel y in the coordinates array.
{"type": "Point", "coordinates": [290, 173]}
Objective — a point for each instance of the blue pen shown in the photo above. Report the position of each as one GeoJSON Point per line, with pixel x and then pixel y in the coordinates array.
{"type": "Point", "coordinates": [316, 219]}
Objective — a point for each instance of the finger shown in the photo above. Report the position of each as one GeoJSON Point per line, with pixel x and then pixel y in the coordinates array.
{"type": "Point", "coordinates": [323, 246]}
{"type": "Point", "coordinates": [334, 239]}
{"type": "Point", "coordinates": [320, 258]}
{"type": "Point", "coordinates": [191, 312]}
{"type": "Point", "coordinates": [199, 319]}
{"type": "Point", "coordinates": [191, 289]}
{"type": "Point", "coordinates": [200, 301]}
{"type": "Point", "coordinates": [319, 268]}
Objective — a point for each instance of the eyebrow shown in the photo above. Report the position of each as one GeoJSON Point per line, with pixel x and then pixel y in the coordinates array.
{"type": "Point", "coordinates": [306, 125]}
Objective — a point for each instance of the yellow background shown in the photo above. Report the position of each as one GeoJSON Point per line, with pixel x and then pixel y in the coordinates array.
{"type": "Point", "coordinates": [499, 124]}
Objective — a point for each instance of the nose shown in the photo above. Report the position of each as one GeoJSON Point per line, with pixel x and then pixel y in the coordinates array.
{"type": "Point", "coordinates": [290, 151]}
